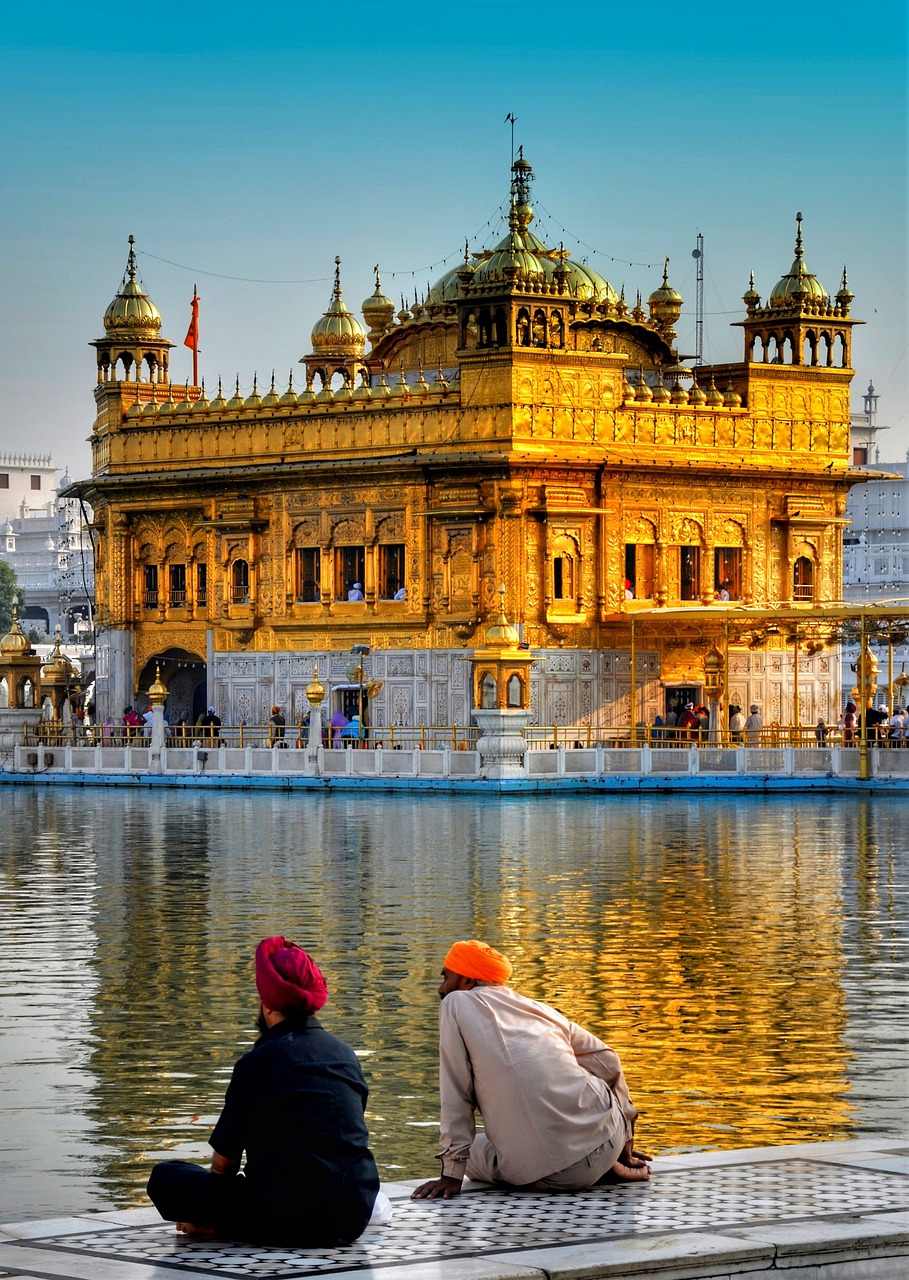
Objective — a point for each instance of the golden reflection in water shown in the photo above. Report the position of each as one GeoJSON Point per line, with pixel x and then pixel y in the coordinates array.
{"type": "Point", "coordinates": [704, 940]}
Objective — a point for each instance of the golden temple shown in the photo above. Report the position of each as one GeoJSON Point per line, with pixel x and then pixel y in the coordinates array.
{"type": "Point", "coordinates": [522, 425]}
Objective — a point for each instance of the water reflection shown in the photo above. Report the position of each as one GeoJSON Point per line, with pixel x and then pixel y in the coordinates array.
{"type": "Point", "coordinates": [741, 954]}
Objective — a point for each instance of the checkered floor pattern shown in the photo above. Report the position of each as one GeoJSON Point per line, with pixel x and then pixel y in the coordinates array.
{"type": "Point", "coordinates": [492, 1222]}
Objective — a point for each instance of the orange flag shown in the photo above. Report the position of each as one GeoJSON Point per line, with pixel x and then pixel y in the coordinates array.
{"type": "Point", "coordinates": [192, 333]}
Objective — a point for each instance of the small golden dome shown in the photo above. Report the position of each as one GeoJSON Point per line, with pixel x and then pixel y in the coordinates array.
{"type": "Point", "coordinates": [271, 399]}
{"type": "Point", "coordinates": [378, 311]}
{"type": "Point", "coordinates": [643, 392]}
{"type": "Point", "coordinates": [289, 399]}
{"type": "Point", "coordinates": [152, 407]}
{"type": "Point", "coordinates": [219, 403]}
{"type": "Point", "coordinates": [169, 405]}
{"type": "Point", "coordinates": [364, 390]}
{"type": "Point", "coordinates": [383, 390]}
{"type": "Point", "coordinates": [158, 691]}
{"type": "Point", "coordinates": [798, 286]}
{"type": "Point", "coordinates": [185, 405]}
{"type": "Point", "coordinates": [315, 690]}
{"type": "Point", "coordinates": [253, 400]}
{"type": "Point", "coordinates": [731, 398]}
{"type": "Point", "coordinates": [338, 332]}
{"type": "Point", "coordinates": [845, 296]}
{"type": "Point", "coordinates": [58, 669]}
{"type": "Point", "coordinates": [135, 409]}
{"type": "Point", "coordinates": [236, 400]}
{"type": "Point", "coordinates": [502, 635]}
{"type": "Point", "coordinates": [697, 395]}
{"type": "Point", "coordinates": [132, 312]}
{"type": "Point", "coordinates": [665, 302]}
{"type": "Point", "coordinates": [201, 404]}
{"type": "Point", "coordinates": [401, 388]}
{"type": "Point", "coordinates": [714, 395]}
{"type": "Point", "coordinates": [751, 297]}
{"type": "Point", "coordinates": [15, 641]}
{"type": "Point", "coordinates": [661, 393]}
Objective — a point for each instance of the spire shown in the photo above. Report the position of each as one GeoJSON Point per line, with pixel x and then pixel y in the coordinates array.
{"type": "Point", "coordinates": [798, 235]}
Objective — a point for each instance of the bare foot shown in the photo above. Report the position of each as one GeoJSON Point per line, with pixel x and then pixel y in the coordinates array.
{"type": "Point", "coordinates": [193, 1229]}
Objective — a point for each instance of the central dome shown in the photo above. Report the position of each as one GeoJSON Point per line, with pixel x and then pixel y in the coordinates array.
{"type": "Point", "coordinates": [798, 285]}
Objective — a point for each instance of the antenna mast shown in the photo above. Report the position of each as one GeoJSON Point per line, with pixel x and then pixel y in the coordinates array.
{"type": "Point", "coordinates": [698, 255]}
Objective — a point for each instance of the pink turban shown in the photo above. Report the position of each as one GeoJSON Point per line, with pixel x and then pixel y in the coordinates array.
{"type": "Point", "coordinates": [473, 959]}
{"type": "Point", "coordinates": [287, 979]}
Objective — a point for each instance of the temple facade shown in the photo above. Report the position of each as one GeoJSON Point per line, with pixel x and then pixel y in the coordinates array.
{"type": "Point", "coordinates": [521, 426]}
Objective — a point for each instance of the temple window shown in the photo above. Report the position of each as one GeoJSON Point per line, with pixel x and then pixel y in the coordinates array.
{"type": "Point", "coordinates": [803, 579]}
{"type": "Point", "coordinates": [556, 331]}
{"type": "Point", "coordinates": [639, 575]}
{"type": "Point", "coordinates": [514, 691]}
{"type": "Point", "coordinates": [488, 692]}
{"type": "Point", "coordinates": [689, 573]}
{"type": "Point", "coordinates": [349, 572]}
{"type": "Point", "coordinates": [539, 328]}
{"type": "Point", "coordinates": [727, 572]}
{"type": "Point", "coordinates": [239, 582]}
{"type": "Point", "coordinates": [4, 480]}
{"type": "Point", "coordinates": [177, 593]}
{"type": "Point", "coordinates": [308, 574]}
{"type": "Point", "coordinates": [150, 589]}
{"type": "Point", "coordinates": [391, 570]}
{"type": "Point", "coordinates": [860, 455]}
{"type": "Point", "coordinates": [35, 482]}
{"type": "Point", "coordinates": [201, 584]}
{"type": "Point", "coordinates": [563, 578]}
{"type": "Point", "coordinates": [522, 332]}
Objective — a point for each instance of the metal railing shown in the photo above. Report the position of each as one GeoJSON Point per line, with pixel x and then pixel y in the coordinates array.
{"type": "Point", "coordinates": [454, 737]}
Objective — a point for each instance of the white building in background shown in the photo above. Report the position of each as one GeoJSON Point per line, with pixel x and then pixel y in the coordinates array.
{"type": "Point", "coordinates": [46, 542]}
{"type": "Point", "coordinates": [876, 544]}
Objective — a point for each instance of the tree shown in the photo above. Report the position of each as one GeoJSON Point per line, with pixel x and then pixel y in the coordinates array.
{"type": "Point", "coordinates": [9, 593]}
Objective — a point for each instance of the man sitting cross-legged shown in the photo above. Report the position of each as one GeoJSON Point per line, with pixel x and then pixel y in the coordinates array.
{"type": "Point", "coordinates": [556, 1111]}
{"type": "Point", "coordinates": [295, 1105]}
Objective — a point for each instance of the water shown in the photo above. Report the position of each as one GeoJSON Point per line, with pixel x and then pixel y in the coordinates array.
{"type": "Point", "coordinates": [746, 956]}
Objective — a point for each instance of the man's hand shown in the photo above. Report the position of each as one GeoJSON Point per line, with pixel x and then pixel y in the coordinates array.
{"type": "Point", "coordinates": [631, 1165]}
{"type": "Point", "coordinates": [443, 1188]}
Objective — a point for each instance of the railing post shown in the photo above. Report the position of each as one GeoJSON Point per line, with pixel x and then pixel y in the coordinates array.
{"type": "Point", "coordinates": [694, 760]}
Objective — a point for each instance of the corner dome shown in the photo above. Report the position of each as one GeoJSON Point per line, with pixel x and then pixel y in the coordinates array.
{"type": "Point", "coordinates": [798, 286]}
{"type": "Point", "coordinates": [15, 641]}
{"type": "Point", "coordinates": [132, 312]}
{"type": "Point", "coordinates": [338, 332]}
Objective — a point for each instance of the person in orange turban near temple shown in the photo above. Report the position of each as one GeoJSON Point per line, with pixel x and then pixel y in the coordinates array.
{"type": "Point", "coordinates": [556, 1111]}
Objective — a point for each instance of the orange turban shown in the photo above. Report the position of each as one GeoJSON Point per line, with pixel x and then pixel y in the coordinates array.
{"type": "Point", "coordinates": [478, 960]}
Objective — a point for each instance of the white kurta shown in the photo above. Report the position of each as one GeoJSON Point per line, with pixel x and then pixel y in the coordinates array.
{"type": "Point", "coordinates": [549, 1092]}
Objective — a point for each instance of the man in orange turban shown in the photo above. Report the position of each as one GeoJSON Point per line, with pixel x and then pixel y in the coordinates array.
{"type": "Point", "coordinates": [295, 1106]}
{"type": "Point", "coordinates": [556, 1111]}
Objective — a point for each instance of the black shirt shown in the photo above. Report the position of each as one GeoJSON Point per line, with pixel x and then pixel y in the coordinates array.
{"type": "Point", "coordinates": [295, 1104]}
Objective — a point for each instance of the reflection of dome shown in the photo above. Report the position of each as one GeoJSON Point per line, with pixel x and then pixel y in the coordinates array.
{"type": "Point", "coordinates": [132, 313]}
{"type": "Point", "coordinates": [798, 285]}
{"type": "Point", "coordinates": [339, 332]}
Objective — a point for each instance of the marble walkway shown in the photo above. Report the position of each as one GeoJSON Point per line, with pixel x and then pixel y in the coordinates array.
{"type": "Point", "coordinates": [824, 1211]}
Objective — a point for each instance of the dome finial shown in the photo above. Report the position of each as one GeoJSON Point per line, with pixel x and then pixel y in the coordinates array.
{"type": "Point", "coordinates": [337, 277]}
{"type": "Point", "coordinates": [131, 259]}
{"type": "Point", "coordinates": [798, 235]}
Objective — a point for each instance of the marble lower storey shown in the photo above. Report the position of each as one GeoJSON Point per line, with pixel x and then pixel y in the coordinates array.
{"type": "Point", "coordinates": [824, 1211]}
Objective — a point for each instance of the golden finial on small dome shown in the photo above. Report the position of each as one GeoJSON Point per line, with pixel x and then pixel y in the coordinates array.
{"type": "Point", "coordinates": [158, 692]}
{"type": "Point", "coordinates": [315, 690]}
{"type": "Point", "coordinates": [132, 312]}
{"type": "Point", "coordinates": [502, 635]}
{"type": "Point", "coordinates": [378, 311]}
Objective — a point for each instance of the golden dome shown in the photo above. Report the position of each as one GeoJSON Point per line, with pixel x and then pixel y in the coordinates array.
{"type": "Point", "coordinates": [271, 399]}
{"type": "Point", "coordinates": [378, 311]}
{"type": "Point", "coordinates": [511, 259]}
{"type": "Point", "coordinates": [665, 302]}
{"type": "Point", "coordinates": [15, 641]}
{"type": "Point", "coordinates": [289, 399]}
{"type": "Point", "coordinates": [219, 402]}
{"type": "Point", "coordinates": [58, 669]}
{"type": "Point", "coordinates": [315, 690]}
{"type": "Point", "coordinates": [132, 314]}
{"type": "Point", "coordinates": [798, 286]}
{"type": "Point", "coordinates": [502, 635]}
{"type": "Point", "coordinates": [338, 332]}
{"type": "Point", "coordinates": [158, 691]}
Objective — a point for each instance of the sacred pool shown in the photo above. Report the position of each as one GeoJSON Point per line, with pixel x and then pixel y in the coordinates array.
{"type": "Point", "coordinates": [746, 956]}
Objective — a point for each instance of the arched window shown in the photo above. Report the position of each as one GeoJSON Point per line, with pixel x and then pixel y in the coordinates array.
{"type": "Point", "coordinates": [522, 329]}
{"type": "Point", "coordinates": [562, 577]}
{"type": "Point", "coordinates": [239, 582]}
{"type": "Point", "coordinates": [803, 579]}
{"type": "Point", "coordinates": [488, 692]}
{"type": "Point", "coordinates": [514, 692]}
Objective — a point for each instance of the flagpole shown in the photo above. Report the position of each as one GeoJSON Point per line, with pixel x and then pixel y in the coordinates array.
{"type": "Point", "coordinates": [196, 343]}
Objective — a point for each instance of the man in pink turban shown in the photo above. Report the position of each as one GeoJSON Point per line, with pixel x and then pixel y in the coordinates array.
{"type": "Point", "coordinates": [556, 1111]}
{"type": "Point", "coordinates": [295, 1106]}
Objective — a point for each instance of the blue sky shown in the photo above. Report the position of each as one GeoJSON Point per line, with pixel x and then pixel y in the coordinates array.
{"type": "Point", "coordinates": [258, 143]}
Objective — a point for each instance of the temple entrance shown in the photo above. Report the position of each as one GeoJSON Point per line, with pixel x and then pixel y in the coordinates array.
{"type": "Point", "coordinates": [185, 676]}
{"type": "Point", "coordinates": [677, 695]}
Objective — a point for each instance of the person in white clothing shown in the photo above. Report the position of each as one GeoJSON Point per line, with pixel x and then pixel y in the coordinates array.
{"type": "Point", "coordinates": [556, 1110]}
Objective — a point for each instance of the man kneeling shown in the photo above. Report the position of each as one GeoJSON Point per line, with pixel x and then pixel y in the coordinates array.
{"type": "Point", "coordinates": [554, 1101]}
{"type": "Point", "coordinates": [295, 1104]}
